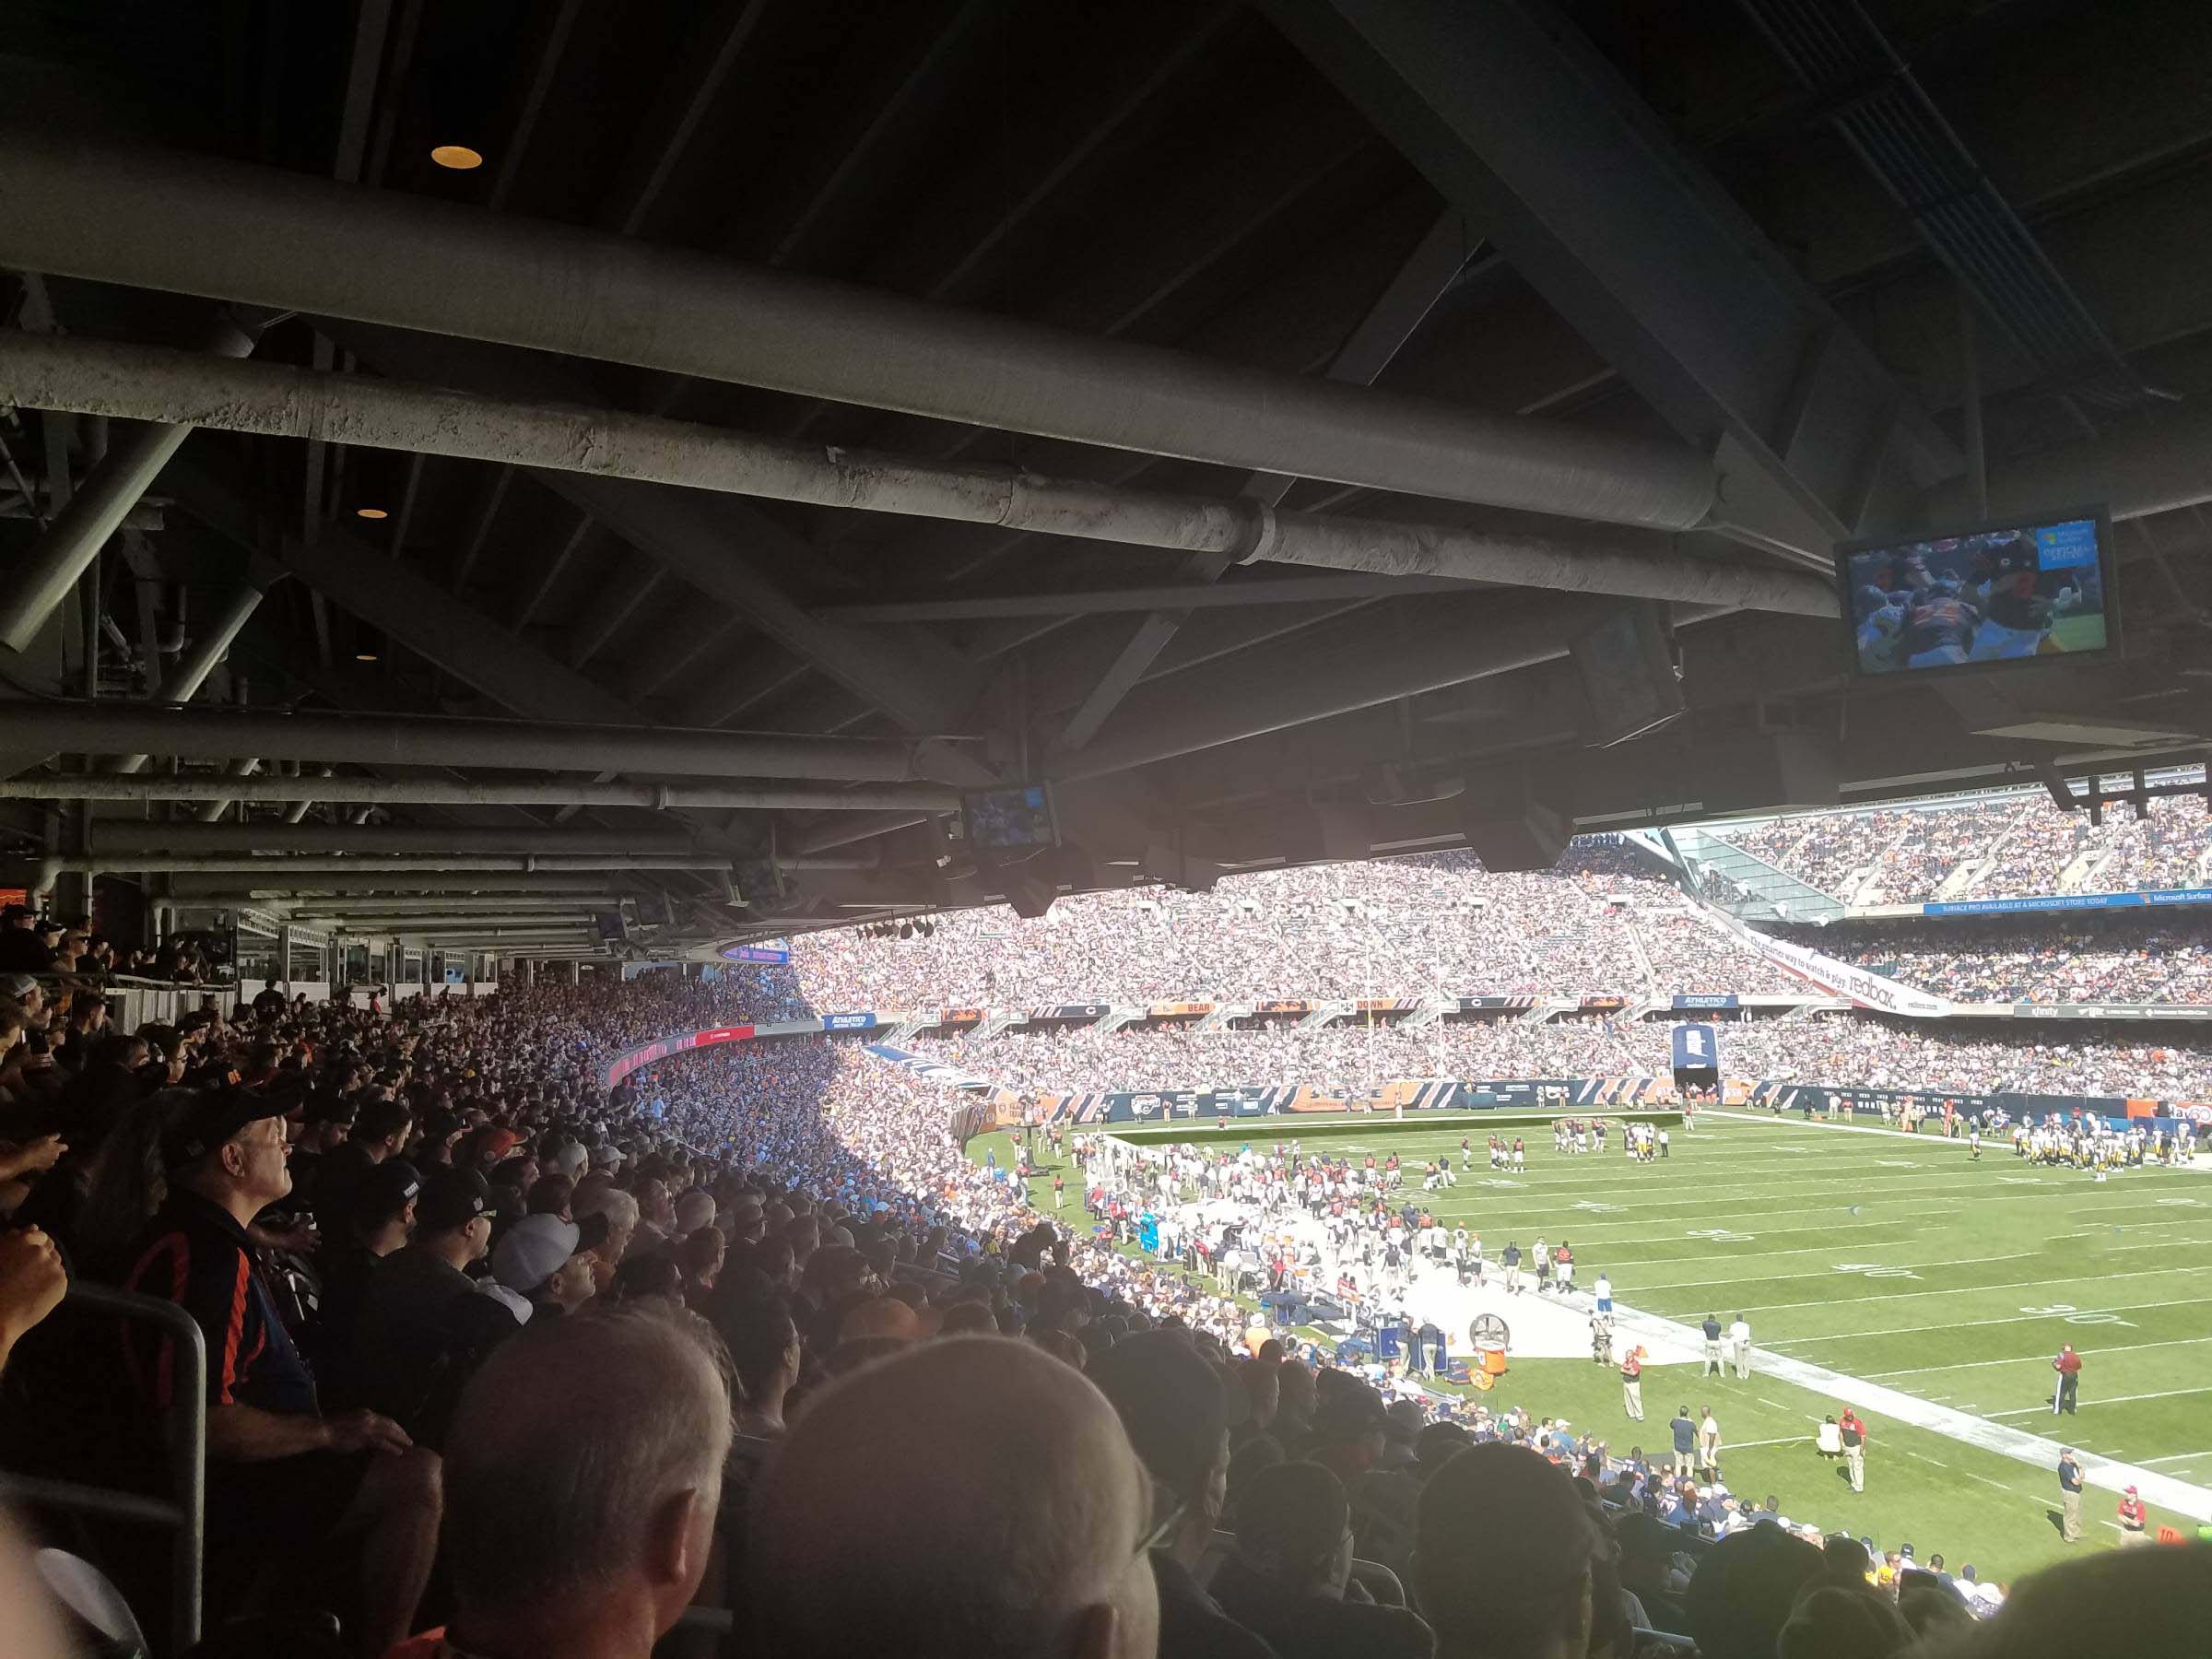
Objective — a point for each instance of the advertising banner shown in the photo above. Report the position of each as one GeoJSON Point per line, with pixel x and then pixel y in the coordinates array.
{"type": "Point", "coordinates": [1494, 1005]}
{"type": "Point", "coordinates": [1283, 1005]}
{"type": "Point", "coordinates": [1689, 1000]}
{"type": "Point", "coordinates": [661, 1048]}
{"type": "Point", "coordinates": [1179, 1010]}
{"type": "Point", "coordinates": [1073, 1011]}
{"type": "Point", "coordinates": [960, 1017]}
{"type": "Point", "coordinates": [1840, 979]}
{"type": "Point", "coordinates": [2068, 902]}
{"type": "Point", "coordinates": [1603, 1005]}
{"type": "Point", "coordinates": [847, 1022]}
{"type": "Point", "coordinates": [776, 951]}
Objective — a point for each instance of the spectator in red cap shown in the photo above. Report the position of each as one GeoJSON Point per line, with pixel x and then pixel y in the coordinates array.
{"type": "Point", "coordinates": [2133, 1520]}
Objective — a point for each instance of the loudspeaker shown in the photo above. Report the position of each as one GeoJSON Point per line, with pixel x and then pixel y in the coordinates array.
{"type": "Point", "coordinates": [1529, 836]}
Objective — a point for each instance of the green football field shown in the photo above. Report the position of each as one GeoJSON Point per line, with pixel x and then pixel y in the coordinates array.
{"type": "Point", "coordinates": [1894, 1260]}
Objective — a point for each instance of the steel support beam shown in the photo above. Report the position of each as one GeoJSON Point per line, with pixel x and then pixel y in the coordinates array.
{"type": "Point", "coordinates": [507, 904]}
{"type": "Point", "coordinates": [1341, 667]}
{"type": "Point", "coordinates": [724, 548]}
{"type": "Point", "coordinates": [437, 792]}
{"type": "Point", "coordinates": [96, 509]}
{"type": "Point", "coordinates": [213, 735]}
{"type": "Point", "coordinates": [1431, 270]}
{"type": "Point", "coordinates": [277, 869]}
{"type": "Point", "coordinates": [129, 835]}
{"type": "Point", "coordinates": [1515, 118]}
{"type": "Point", "coordinates": [160, 218]}
{"type": "Point", "coordinates": [716, 543]}
{"type": "Point", "coordinates": [1089, 602]}
{"type": "Point", "coordinates": [220, 889]}
{"type": "Point", "coordinates": [210, 645]}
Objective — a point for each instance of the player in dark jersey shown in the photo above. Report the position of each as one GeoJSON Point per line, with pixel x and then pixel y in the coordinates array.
{"type": "Point", "coordinates": [1939, 629]}
{"type": "Point", "coordinates": [2017, 598]}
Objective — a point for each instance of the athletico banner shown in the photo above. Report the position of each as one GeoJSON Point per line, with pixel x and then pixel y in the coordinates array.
{"type": "Point", "coordinates": [2068, 902]}
{"type": "Point", "coordinates": [1689, 1000]}
{"type": "Point", "coordinates": [848, 1022]}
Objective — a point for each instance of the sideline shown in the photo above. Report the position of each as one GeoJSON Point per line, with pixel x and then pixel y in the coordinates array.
{"type": "Point", "coordinates": [2106, 1474]}
{"type": "Point", "coordinates": [2201, 1166]}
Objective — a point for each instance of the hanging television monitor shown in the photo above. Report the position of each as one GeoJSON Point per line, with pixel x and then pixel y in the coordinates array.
{"type": "Point", "coordinates": [2037, 589]}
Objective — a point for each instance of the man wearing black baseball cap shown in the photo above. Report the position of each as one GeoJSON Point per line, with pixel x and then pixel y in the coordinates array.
{"type": "Point", "coordinates": [423, 1328]}
{"type": "Point", "coordinates": [282, 1478]}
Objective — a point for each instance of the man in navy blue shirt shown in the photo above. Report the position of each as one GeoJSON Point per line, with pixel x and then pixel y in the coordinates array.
{"type": "Point", "coordinates": [1686, 1441]}
{"type": "Point", "coordinates": [282, 1478]}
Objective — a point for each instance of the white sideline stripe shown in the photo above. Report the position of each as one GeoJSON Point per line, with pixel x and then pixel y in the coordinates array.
{"type": "Point", "coordinates": [2133, 1347]}
{"type": "Point", "coordinates": [1982, 1432]}
{"type": "Point", "coordinates": [2179, 1457]}
{"type": "Point", "coordinates": [2163, 1393]}
{"type": "Point", "coordinates": [1966, 1324]}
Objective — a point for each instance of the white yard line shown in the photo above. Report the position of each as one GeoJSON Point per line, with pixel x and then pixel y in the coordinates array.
{"type": "Point", "coordinates": [1983, 1432]}
{"type": "Point", "coordinates": [2177, 1457]}
{"type": "Point", "coordinates": [1842, 1247]}
{"type": "Point", "coordinates": [2165, 1273]}
{"type": "Point", "coordinates": [2163, 1393]}
{"type": "Point", "coordinates": [1967, 1325]}
{"type": "Point", "coordinates": [2131, 1347]}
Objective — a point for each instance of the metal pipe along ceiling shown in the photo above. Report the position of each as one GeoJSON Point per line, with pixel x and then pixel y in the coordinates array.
{"type": "Point", "coordinates": [279, 870]}
{"type": "Point", "coordinates": [114, 835]}
{"type": "Point", "coordinates": [96, 512]}
{"type": "Point", "coordinates": [440, 791]}
{"type": "Point", "coordinates": [391, 740]}
{"type": "Point", "coordinates": [150, 383]}
{"type": "Point", "coordinates": [158, 219]}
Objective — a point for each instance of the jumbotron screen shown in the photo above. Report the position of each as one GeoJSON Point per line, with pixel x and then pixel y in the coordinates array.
{"type": "Point", "coordinates": [2026, 590]}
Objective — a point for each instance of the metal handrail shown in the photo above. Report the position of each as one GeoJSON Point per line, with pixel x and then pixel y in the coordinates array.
{"type": "Point", "coordinates": [186, 1511]}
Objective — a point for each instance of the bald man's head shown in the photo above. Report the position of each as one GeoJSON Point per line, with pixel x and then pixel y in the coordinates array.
{"type": "Point", "coordinates": [971, 1498]}
{"type": "Point", "coordinates": [580, 1451]}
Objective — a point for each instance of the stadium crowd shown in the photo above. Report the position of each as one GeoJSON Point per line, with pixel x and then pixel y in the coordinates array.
{"type": "Point", "coordinates": [2123, 957]}
{"type": "Point", "coordinates": [1836, 1049]}
{"type": "Point", "coordinates": [732, 1325]}
{"type": "Point", "coordinates": [1599, 923]}
{"type": "Point", "coordinates": [2020, 844]}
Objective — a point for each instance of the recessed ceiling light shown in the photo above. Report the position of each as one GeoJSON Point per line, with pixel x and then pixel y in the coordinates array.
{"type": "Point", "coordinates": [366, 656]}
{"type": "Point", "coordinates": [370, 512]}
{"type": "Point", "coordinates": [458, 156]}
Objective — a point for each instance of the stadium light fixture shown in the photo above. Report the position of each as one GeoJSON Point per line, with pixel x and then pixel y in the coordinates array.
{"type": "Point", "coordinates": [370, 512]}
{"type": "Point", "coordinates": [458, 157]}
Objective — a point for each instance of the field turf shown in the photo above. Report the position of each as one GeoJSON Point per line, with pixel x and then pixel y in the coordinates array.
{"type": "Point", "coordinates": [1891, 1259]}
